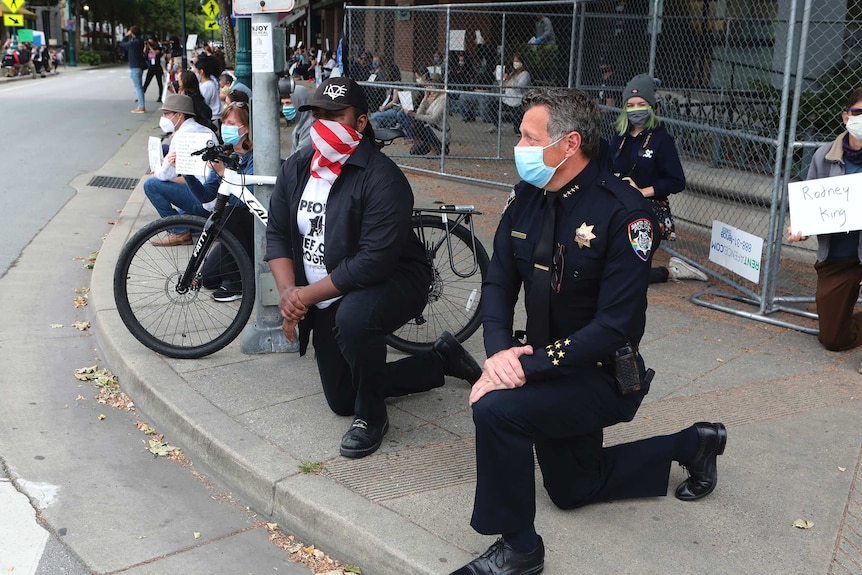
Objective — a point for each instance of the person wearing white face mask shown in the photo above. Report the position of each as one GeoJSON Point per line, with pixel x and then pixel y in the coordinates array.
{"type": "Point", "coordinates": [839, 255]}
{"type": "Point", "coordinates": [579, 242]}
{"type": "Point", "coordinates": [167, 190]}
{"type": "Point", "coordinates": [514, 86]}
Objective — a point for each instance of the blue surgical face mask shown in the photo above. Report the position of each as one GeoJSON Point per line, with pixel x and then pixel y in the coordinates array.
{"type": "Point", "coordinates": [230, 135]}
{"type": "Point", "coordinates": [530, 162]}
{"type": "Point", "coordinates": [289, 112]}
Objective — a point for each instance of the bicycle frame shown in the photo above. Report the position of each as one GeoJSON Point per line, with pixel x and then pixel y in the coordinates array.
{"type": "Point", "coordinates": [464, 217]}
{"type": "Point", "coordinates": [232, 184]}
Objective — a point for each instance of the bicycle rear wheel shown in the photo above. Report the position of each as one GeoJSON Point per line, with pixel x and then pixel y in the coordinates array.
{"type": "Point", "coordinates": [453, 301]}
{"type": "Point", "coordinates": [183, 324]}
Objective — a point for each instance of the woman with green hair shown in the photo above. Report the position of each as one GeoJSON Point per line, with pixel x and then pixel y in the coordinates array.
{"type": "Point", "coordinates": [643, 154]}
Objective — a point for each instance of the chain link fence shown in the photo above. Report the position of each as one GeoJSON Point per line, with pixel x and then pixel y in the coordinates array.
{"type": "Point", "coordinates": [748, 89]}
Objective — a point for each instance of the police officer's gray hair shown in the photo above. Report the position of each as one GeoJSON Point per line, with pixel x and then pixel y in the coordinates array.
{"type": "Point", "coordinates": [570, 110]}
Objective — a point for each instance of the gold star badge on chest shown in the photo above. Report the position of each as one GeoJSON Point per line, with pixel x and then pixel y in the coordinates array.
{"type": "Point", "coordinates": [584, 234]}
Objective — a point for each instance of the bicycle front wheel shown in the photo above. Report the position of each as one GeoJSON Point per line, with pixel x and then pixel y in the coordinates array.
{"type": "Point", "coordinates": [453, 301]}
{"type": "Point", "coordinates": [182, 323]}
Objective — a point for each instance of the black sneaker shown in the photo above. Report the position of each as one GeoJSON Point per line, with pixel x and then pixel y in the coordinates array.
{"type": "Point", "coordinates": [457, 361]}
{"type": "Point", "coordinates": [226, 295]}
{"type": "Point", "coordinates": [362, 439]}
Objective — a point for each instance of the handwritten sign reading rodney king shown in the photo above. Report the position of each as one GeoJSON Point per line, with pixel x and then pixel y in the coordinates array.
{"type": "Point", "coordinates": [827, 205]}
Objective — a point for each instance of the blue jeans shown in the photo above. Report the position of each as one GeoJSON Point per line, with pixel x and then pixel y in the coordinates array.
{"type": "Point", "coordinates": [385, 119]}
{"type": "Point", "coordinates": [136, 74]}
{"type": "Point", "coordinates": [165, 195]}
{"type": "Point", "coordinates": [416, 130]}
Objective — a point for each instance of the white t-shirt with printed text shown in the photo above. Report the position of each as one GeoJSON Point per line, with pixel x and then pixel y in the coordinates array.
{"type": "Point", "coordinates": [311, 221]}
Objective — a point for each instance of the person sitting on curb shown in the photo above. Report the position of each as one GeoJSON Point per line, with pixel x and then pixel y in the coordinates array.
{"type": "Point", "coordinates": [350, 269]}
{"type": "Point", "coordinates": [167, 189]}
{"type": "Point", "coordinates": [235, 131]}
{"type": "Point", "coordinates": [417, 124]}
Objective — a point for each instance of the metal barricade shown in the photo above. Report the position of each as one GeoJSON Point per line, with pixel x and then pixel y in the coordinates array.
{"type": "Point", "coordinates": [748, 90]}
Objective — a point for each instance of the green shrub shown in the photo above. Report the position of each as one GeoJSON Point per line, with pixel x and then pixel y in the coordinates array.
{"type": "Point", "coordinates": [90, 57]}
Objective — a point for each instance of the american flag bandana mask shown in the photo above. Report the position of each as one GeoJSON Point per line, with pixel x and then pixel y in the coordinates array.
{"type": "Point", "coordinates": [333, 142]}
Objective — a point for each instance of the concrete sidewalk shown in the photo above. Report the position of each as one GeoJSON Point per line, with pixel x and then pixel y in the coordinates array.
{"type": "Point", "coordinates": [793, 412]}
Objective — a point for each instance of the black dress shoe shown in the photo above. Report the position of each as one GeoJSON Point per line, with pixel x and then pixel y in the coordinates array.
{"type": "Point", "coordinates": [500, 559]}
{"type": "Point", "coordinates": [457, 362]}
{"type": "Point", "coordinates": [362, 439]}
{"type": "Point", "coordinates": [702, 470]}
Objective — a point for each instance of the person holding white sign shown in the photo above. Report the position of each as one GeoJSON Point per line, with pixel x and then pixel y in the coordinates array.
{"type": "Point", "coordinates": [839, 255]}
{"type": "Point", "coordinates": [167, 190]}
{"type": "Point", "coordinates": [643, 154]}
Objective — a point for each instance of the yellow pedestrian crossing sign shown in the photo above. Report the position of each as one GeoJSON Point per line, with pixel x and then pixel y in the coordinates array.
{"type": "Point", "coordinates": [14, 5]}
{"type": "Point", "coordinates": [210, 9]}
{"type": "Point", "coordinates": [13, 20]}
{"type": "Point", "coordinates": [211, 25]}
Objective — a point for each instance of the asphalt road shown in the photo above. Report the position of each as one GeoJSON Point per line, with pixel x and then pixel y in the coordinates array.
{"type": "Point", "coordinates": [79, 492]}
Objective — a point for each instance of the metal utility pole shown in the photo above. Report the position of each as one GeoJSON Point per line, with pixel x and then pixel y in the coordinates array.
{"type": "Point", "coordinates": [265, 334]}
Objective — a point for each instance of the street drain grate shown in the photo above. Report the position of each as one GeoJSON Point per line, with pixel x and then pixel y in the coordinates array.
{"type": "Point", "coordinates": [114, 182]}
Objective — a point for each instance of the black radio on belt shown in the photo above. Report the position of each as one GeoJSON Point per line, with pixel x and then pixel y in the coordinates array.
{"type": "Point", "coordinates": [626, 371]}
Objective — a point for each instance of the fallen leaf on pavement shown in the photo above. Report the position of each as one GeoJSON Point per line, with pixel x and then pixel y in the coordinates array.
{"type": "Point", "coordinates": [56, 325]}
{"type": "Point", "coordinates": [82, 325]}
{"type": "Point", "coordinates": [102, 416]}
{"type": "Point", "coordinates": [160, 448]}
{"type": "Point", "coordinates": [842, 469]}
{"type": "Point", "coordinates": [197, 534]}
{"type": "Point", "coordinates": [803, 524]}
{"type": "Point", "coordinates": [80, 301]}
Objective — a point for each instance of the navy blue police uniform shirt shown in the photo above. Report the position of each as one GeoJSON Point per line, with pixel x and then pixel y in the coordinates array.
{"type": "Point", "coordinates": [608, 231]}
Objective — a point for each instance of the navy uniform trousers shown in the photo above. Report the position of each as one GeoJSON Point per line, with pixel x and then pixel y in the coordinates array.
{"type": "Point", "coordinates": [564, 419]}
{"type": "Point", "coordinates": [348, 338]}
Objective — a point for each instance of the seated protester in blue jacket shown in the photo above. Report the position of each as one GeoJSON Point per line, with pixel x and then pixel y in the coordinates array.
{"type": "Point", "coordinates": [350, 269]}
{"type": "Point", "coordinates": [222, 275]}
{"type": "Point", "coordinates": [643, 154]}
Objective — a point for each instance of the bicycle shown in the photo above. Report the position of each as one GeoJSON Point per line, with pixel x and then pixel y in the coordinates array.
{"type": "Point", "coordinates": [158, 289]}
{"type": "Point", "coordinates": [454, 296]}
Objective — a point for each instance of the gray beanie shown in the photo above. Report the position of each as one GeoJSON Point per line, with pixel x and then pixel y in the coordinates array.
{"type": "Point", "coordinates": [641, 85]}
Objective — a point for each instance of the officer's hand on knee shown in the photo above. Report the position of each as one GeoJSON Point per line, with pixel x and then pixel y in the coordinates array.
{"type": "Point", "coordinates": [505, 369]}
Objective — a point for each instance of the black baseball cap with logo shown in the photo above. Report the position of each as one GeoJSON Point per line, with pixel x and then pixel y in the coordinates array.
{"type": "Point", "coordinates": [337, 94]}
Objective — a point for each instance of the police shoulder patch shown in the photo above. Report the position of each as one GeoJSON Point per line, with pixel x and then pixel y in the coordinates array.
{"type": "Point", "coordinates": [641, 237]}
{"type": "Point", "coordinates": [509, 201]}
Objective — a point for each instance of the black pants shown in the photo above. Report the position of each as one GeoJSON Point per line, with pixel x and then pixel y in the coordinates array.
{"type": "Point", "coordinates": [564, 420]}
{"type": "Point", "coordinates": [351, 352]}
{"type": "Point", "coordinates": [154, 72]}
{"type": "Point", "coordinates": [220, 268]}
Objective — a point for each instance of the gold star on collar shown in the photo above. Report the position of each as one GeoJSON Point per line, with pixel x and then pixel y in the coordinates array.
{"type": "Point", "coordinates": [584, 234]}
